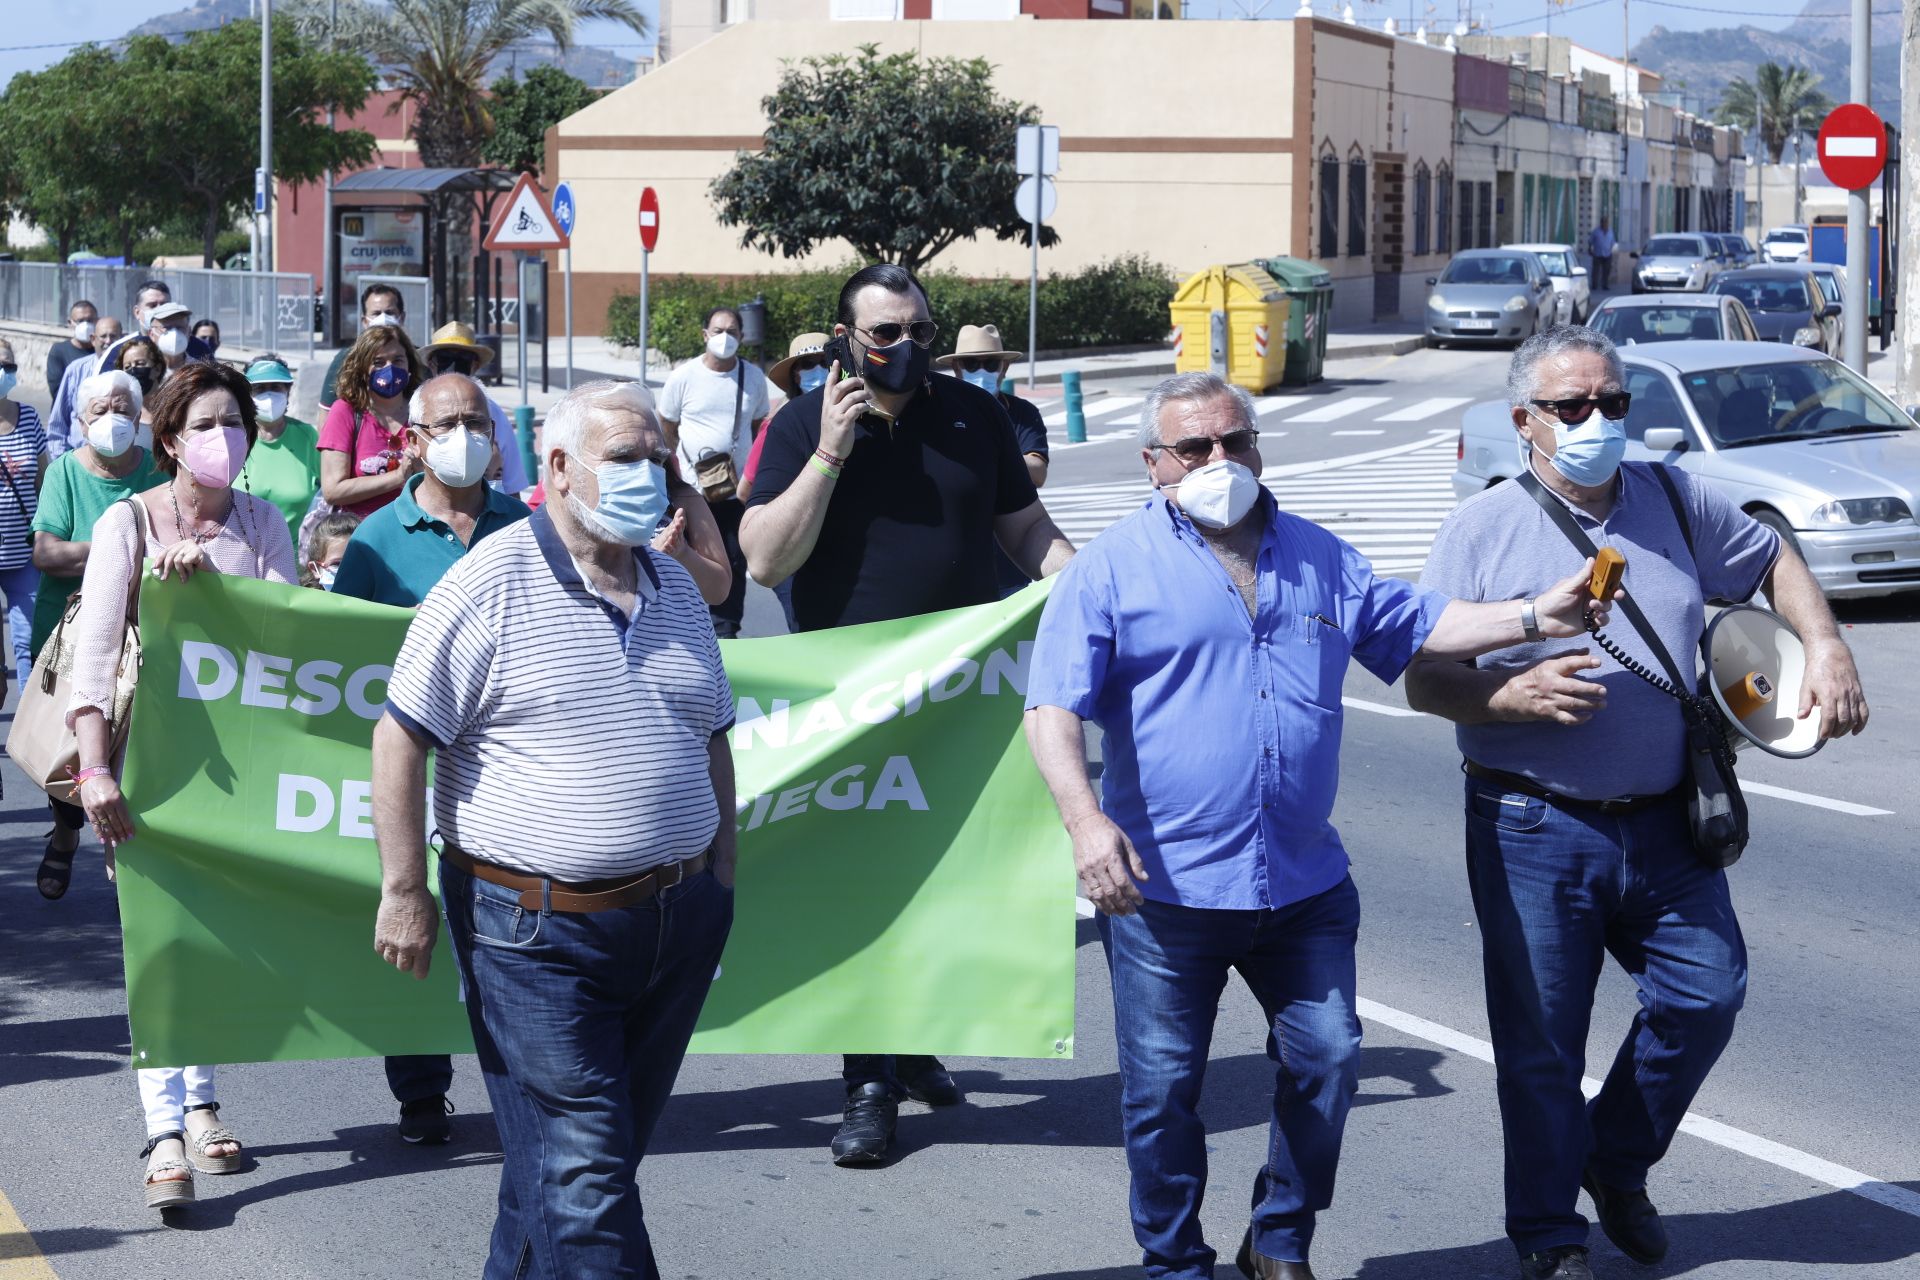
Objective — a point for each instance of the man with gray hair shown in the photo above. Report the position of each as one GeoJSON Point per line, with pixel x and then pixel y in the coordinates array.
{"type": "Point", "coordinates": [586, 809]}
{"type": "Point", "coordinates": [1577, 834]}
{"type": "Point", "coordinates": [1208, 634]}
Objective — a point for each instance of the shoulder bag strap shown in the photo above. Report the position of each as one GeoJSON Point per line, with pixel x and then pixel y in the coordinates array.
{"type": "Point", "coordinates": [1563, 518]}
{"type": "Point", "coordinates": [6, 473]}
{"type": "Point", "coordinates": [1679, 507]}
{"type": "Point", "coordinates": [739, 395]}
{"type": "Point", "coordinates": [139, 557]}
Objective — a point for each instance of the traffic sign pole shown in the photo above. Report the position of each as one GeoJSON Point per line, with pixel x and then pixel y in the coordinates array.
{"type": "Point", "coordinates": [644, 255]}
{"type": "Point", "coordinates": [1033, 302]}
{"type": "Point", "coordinates": [567, 213]}
{"type": "Point", "coordinates": [520, 287]}
{"type": "Point", "coordinates": [1859, 283]}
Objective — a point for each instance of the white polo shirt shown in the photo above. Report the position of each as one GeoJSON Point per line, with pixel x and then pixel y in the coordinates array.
{"type": "Point", "coordinates": [571, 741]}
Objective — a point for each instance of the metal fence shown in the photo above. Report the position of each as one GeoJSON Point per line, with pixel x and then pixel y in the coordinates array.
{"type": "Point", "coordinates": [271, 311]}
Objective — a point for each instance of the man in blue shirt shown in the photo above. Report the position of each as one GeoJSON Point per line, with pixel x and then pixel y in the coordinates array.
{"type": "Point", "coordinates": [1208, 636]}
{"type": "Point", "coordinates": [397, 555]}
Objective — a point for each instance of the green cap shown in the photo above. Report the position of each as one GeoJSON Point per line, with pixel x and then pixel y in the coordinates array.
{"type": "Point", "coordinates": [268, 372]}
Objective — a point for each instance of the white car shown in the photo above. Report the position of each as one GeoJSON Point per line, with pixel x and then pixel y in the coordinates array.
{"type": "Point", "coordinates": [1792, 243]}
{"type": "Point", "coordinates": [1574, 293]}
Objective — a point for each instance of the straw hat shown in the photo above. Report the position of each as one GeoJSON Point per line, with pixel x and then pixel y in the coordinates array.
{"type": "Point", "coordinates": [782, 374]}
{"type": "Point", "coordinates": [456, 338]}
{"type": "Point", "coordinates": [977, 341]}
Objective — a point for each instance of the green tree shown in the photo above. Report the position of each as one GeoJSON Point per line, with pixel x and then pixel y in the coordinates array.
{"type": "Point", "coordinates": [523, 111]}
{"type": "Point", "coordinates": [59, 148]}
{"type": "Point", "coordinates": [900, 156]}
{"type": "Point", "coordinates": [1776, 104]}
{"type": "Point", "coordinates": [196, 107]}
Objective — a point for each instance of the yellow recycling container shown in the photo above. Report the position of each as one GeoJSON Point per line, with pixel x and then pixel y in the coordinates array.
{"type": "Point", "coordinates": [1232, 320]}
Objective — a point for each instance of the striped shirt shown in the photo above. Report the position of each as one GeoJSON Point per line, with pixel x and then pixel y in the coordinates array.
{"type": "Point", "coordinates": [20, 451]}
{"type": "Point", "coordinates": [571, 741]}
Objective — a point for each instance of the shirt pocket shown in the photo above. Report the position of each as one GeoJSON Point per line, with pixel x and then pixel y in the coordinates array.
{"type": "Point", "coordinates": [1320, 658]}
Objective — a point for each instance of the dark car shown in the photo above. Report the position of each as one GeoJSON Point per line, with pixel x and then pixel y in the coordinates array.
{"type": "Point", "coordinates": [1739, 252]}
{"type": "Point", "coordinates": [1785, 304]}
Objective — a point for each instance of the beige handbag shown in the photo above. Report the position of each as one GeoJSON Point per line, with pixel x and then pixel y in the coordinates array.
{"type": "Point", "coordinates": [40, 742]}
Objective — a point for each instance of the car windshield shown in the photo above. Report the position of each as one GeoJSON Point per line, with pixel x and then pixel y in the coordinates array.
{"type": "Point", "coordinates": [1786, 237]}
{"type": "Point", "coordinates": [1762, 294]}
{"type": "Point", "coordinates": [1555, 261]}
{"type": "Point", "coordinates": [1485, 271]}
{"type": "Point", "coordinates": [1657, 324]}
{"type": "Point", "coordinates": [1673, 247]}
{"type": "Point", "coordinates": [1769, 403]}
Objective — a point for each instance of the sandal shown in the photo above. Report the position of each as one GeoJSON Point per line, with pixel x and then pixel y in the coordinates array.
{"type": "Point", "coordinates": [166, 1193]}
{"type": "Point", "coordinates": [198, 1141]}
{"type": "Point", "coordinates": [56, 869]}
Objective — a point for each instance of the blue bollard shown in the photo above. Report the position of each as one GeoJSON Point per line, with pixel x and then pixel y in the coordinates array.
{"type": "Point", "coordinates": [1076, 418]}
{"type": "Point", "coordinates": [523, 432]}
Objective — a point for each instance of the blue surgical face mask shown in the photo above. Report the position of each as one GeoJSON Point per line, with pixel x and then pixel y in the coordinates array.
{"type": "Point", "coordinates": [7, 383]}
{"type": "Point", "coordinates": [810, 380]}
{"type": "Point", "coordinates": [633, 498]}
{"type": "Point", "coordinates": [1588, 453]}
{"type": "Point", "coordinates": [986, 379]}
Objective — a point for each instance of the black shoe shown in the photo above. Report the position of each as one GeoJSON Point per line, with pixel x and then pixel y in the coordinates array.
{"type": "Point", "coordinates": [934, 1087]}
{"type": "Point", "coordinates": [424, 1120]}
{"type": "Point", "coordinates": [1568, 1262]}
{"type": "Point", "coordinates": [1258, 1266]}
{"type": "Point", "coordinates": [1629, 1219]}
{"type": "Point", "coordinates": [56, 868]}
{"type": "Point", "coordinates": [867, 1131]}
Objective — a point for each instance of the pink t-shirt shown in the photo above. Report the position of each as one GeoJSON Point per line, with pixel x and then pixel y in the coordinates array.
{"type": "Point", "coordinates": [337, 434]}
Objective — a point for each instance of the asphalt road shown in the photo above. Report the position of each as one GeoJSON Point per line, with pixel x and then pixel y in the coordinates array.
{"type": "Point", "coordinates": [1028, 1180]}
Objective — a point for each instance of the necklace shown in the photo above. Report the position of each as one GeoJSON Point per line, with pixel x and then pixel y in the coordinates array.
{"type": "Point", "coordinates": [193, 504]}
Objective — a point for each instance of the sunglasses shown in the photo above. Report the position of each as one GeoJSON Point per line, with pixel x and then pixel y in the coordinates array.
{"type": "Point", "coordinates": [1199, 448]}
{"type": "Point", "coordinates": [1578, 409]}
{"type": "Point", "coordinates": [810, 362]}
{"type": "Point", "coordinates": [978, 364]}
{"type": "Point", "coordinates": [923, 332]}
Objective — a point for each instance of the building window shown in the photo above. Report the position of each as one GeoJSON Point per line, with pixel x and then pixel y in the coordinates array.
{"type": "Point", "coordinates": [1443, 220]}
{"type": "Point", "coordinates": [1422, 210]}
{"type": "Point", "coordinates": [1329, 207]}
{"type": "Point", "coordinates": [1356, 207]}
{"type": "Point", "coordinates": [1485, 240]}
{"type": "Point", "coordinates": [1466, 215]}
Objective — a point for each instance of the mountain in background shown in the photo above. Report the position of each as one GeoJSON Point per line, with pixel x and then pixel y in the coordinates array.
{"type": "Point", "coordinates": [1699, 64]}
{"type": "Point", "coordinates": [597, 67]}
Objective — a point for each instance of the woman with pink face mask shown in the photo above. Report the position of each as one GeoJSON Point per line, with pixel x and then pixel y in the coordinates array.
{"type": "Point", "coordinates": [203, 426]}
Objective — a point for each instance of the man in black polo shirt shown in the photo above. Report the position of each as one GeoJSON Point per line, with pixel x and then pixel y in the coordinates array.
{"type": "Point", "coordinates": [883, 495]}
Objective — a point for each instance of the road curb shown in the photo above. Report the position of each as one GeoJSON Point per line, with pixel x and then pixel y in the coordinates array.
{"type": "Point", "coordinates": [1398, 346]}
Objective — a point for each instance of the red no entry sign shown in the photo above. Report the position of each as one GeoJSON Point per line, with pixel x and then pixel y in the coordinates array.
{"type": "Point", "coordinates": [1853, 146]}
{"type": "Point", "coordinates": [649, 219]}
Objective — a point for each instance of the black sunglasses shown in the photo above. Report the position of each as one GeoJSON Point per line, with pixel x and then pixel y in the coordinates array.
{"type": "Point", "coordinates": [1578, 409]}
{"type": "Point", "coordinates": [923, 332]}
{"type": "Point", "coordinates": [1199, 448]}
{"type": "Point", "coordinates": [809, 362]}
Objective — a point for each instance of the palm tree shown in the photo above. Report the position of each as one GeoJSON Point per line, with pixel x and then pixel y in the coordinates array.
{"type": "Point", "coordinates": [1778, 103]}
{"type": "Point", "coordinates": [438, 54]}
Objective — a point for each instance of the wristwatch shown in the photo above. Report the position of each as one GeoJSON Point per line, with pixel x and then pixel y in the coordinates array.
{"type": "Point", "coordinates": [1528, 622]}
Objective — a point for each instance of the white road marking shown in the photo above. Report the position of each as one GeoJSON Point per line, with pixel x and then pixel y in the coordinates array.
{"type": "Point", "coordinates": [1365, 431]}
{"type": "Point", "coordinates": [1778, 1154]}
{"type": "Point", "coordinates": [1334, 410]}
{"type": "Point", "coordinates": [1263, 405]}
{"type": "Point", "coordinates": [1423, 410]}
{"type": "Point", "coordinates": [1818, 802]}
{"type": "Point", "coordinates": [1378, 708]}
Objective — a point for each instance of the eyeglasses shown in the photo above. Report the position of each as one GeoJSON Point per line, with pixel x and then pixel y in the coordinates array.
{"type": "Point", "coordinates": [1577, 409]}
{"type": "Point", "coordinates": [923, 332]}
{"type": "Point", "coordinates": [975, 364]}
{"type": "Point", "coordinates": [809, 362]}
{"type": "Point", "coordinates": [479, 425]}
{"type": "Point", "coordinates": [1199, 448]}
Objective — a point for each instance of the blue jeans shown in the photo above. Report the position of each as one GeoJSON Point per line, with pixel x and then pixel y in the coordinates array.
{"type": "Point", "coordinates": [580, 1022]}
{"type": "Point", "coordinates": [415, 1077]}
{"type": "Point", "coordinates": [20, 586]}
{"type": "Point", "coordinates": [1556, 890]}
{"type": "Point", "coordinates": [1169, 965]}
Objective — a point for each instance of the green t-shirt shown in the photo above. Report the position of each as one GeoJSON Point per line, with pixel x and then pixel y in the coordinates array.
{"type": "Point", "coordinates": [286, 472]}
{"type": "Point", "coordinates": [71, 500]}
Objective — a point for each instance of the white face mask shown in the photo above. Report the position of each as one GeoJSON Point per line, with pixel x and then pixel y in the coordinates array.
{"type": "Point", "coordinates": [460, 457]}
{"type": "Point", "coordinates": [384, 320]}
{"type": "Point", "coordinates": [325, 574]}
{"type": "Point", "coordinates": [111, 434]}
{"type": "Point", "coordinates": [1219, 494]}
{"type": "Point", "coordinates": [83, 331]}
{"type": "Point", "coordinates": [172, 342]}
{"type": "Point", "coordinates": [721, 346]}
{"type": "Point", "coordinates": [270, 406]}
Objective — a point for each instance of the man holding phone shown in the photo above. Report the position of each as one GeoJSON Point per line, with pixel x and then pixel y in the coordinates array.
{"type": "Point", "coordinates": [882, 495]}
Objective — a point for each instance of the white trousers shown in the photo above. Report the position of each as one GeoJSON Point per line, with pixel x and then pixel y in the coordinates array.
{"type": "Point", "coordinates": [167, 1092]}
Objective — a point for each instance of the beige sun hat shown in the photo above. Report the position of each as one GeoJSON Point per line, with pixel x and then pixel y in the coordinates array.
{"type": "Point", "coordinates": [782, 374]}
{"type": "Point", "coordinates": [455, 337]}
{"type": "Point", "coordinates": [975, 342]}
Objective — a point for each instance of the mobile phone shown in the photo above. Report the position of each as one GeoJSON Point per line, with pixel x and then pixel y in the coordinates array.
{"type": "Point", "coordinates": [841, 350]}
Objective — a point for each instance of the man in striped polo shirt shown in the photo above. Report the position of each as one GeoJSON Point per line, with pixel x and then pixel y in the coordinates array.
{"type": "Point", "coordinates": [586, 811]}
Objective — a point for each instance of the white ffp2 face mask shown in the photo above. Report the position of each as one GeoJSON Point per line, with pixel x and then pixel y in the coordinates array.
{"type": "Point", "coordinates": [721, 346]}
{"type": "Point", "coordinates": [270, 406]}
{"type": "Point", "coordinates": [460, 457]}
{"type": "Point", "coordinates": [111, 434]}
{"type": "Point", "coordinates": [172, 342]}
{"type": "Point", "coordinates": [1218, 495]}
{"type": "Point", "coordinates": [83, 331]}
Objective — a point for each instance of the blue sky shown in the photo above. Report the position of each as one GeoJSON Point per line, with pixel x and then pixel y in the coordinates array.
{"type": "Point", "coordinates": [1596, 23]}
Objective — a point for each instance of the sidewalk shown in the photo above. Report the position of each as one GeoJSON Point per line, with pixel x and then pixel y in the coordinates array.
{"type": "Point", "coordinates": [1393, 338]}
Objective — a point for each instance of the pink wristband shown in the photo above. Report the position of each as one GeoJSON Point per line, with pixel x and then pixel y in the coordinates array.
{"type": "Point", "coordinates": [87, 775]}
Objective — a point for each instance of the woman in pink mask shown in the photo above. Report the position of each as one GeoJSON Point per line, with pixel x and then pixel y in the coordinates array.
{"type": "Point", "coordinates": [203, 426]}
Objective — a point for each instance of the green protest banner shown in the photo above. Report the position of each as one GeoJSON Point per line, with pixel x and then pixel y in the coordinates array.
{"type": "Point", "coordinates": [903, 886]}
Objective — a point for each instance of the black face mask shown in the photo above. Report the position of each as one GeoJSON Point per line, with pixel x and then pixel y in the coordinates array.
{"type": "Point", "coordinates": [456, 364]}
{"type": "Point", "coordinates": [142, 374]}
{"type": "Point", "coordinates": [896, 369]}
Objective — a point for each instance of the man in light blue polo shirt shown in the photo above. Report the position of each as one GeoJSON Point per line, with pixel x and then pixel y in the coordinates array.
{"type": "Point", "coordinates": [1208, 635]}
{"type": "Point", "coordinates": [396, 556]}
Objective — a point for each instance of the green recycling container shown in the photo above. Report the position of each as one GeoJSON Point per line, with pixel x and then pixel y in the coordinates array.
{"type": "Point", "coordinates": [1310, 287]}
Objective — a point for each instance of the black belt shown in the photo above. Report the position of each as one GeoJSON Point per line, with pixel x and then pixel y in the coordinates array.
{"type": "Point", "coordinates": [1528, 787]}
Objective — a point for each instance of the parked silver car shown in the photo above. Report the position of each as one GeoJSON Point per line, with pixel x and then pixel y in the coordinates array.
{"type": "Point", "coordinates": [1490, 295]}
{"type": "Point", "coordinates": [1797, 440]}
{"type": "Point", "coordinates": [1687, 263]}
{"type": "Point", "coordinates": [1672, 317]}
{"type": "Point", "coordinates": [1568, 276]}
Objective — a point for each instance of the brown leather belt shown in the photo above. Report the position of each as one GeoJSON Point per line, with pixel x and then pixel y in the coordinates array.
{"type": "Point", "coordinates": [1528, 787]}
{"type": "Point", "coordinates": [539, 893]}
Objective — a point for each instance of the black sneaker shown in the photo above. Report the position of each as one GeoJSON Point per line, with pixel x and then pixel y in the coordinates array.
{"type": "Point", "coordinates": [424, 1120]}
{"type": "Point", "coordinates": [933, 1086]}
{"type": "Point", "coordinates": [1629, 1219]}
{"type": "Point", "coordinates": [867, 1131]}
{"type": "Point", "coordinates": [1569, 1262]}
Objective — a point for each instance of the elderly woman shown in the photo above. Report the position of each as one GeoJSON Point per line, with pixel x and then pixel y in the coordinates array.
{"type": "Point", "coordinates": [284, 467]}
{"type": "Point", "coordinates": [140, 360]}
{"type": "Point", "coordinates": [23, 460]}
{"type": "Point", "coordinates": [203, 428]}
{"type": "Point", "coordinates": [364, 459]}
{"type": "Point", "coordinates": [75, 490]}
